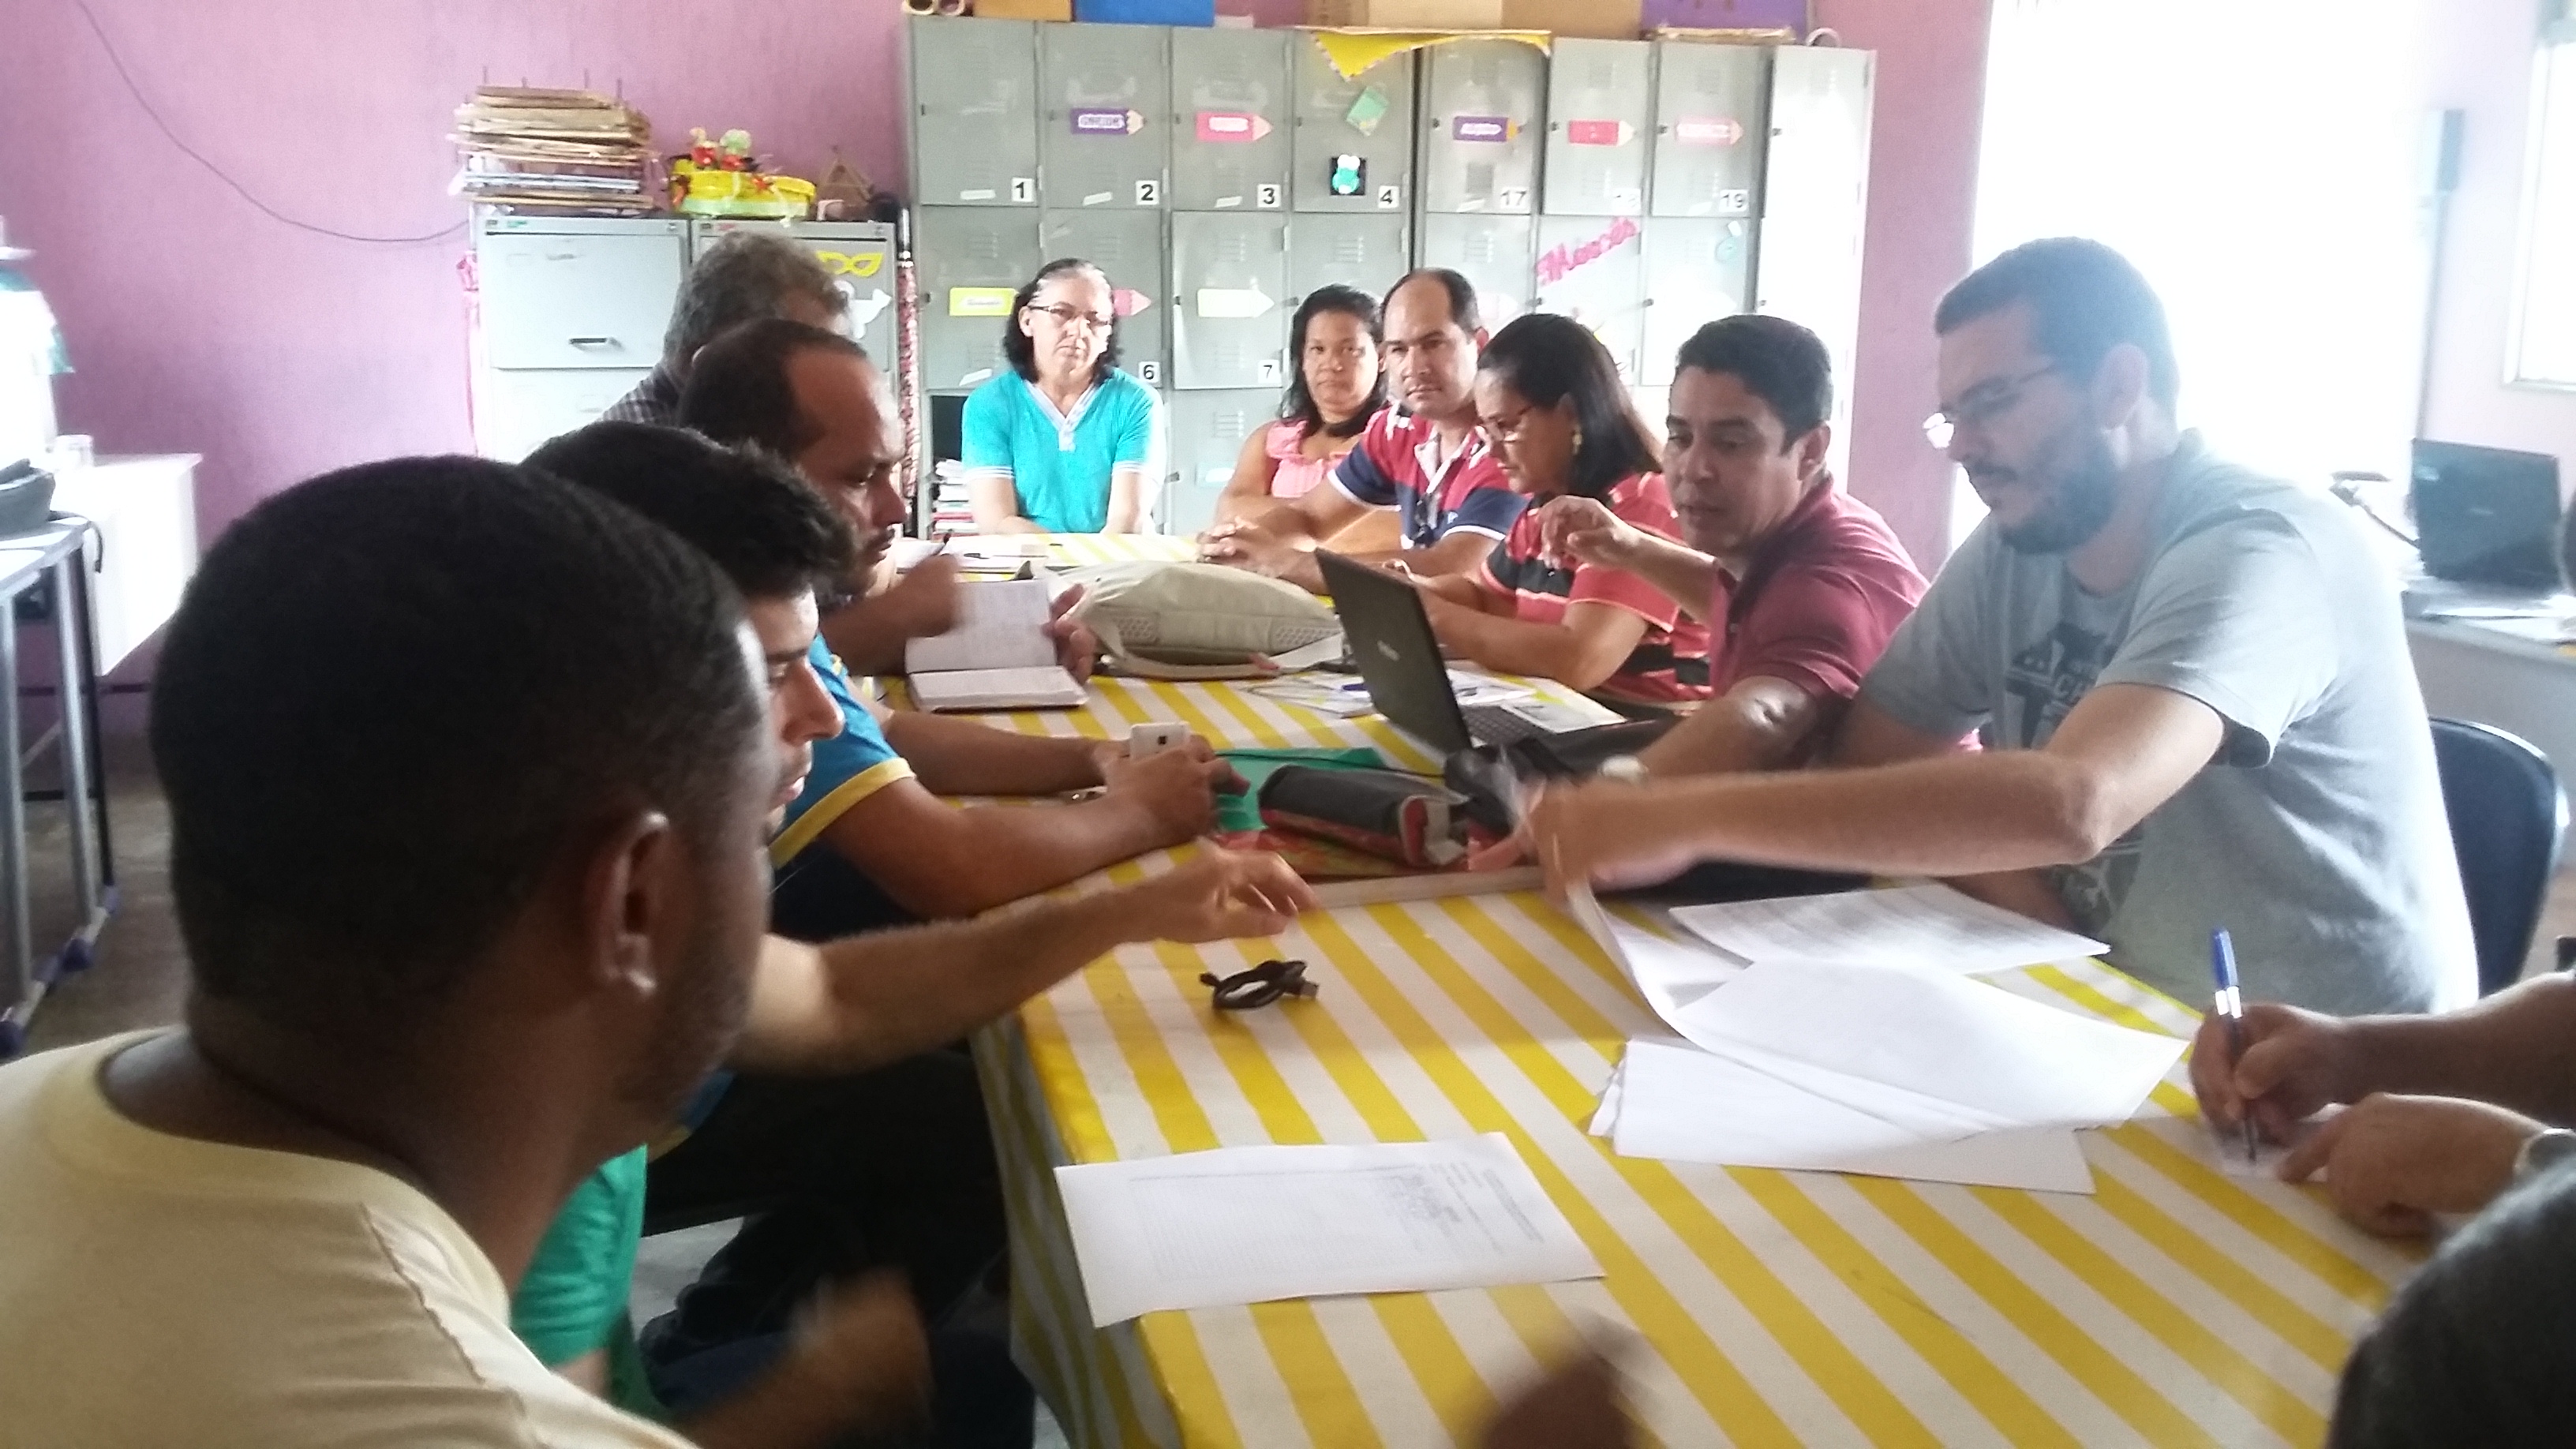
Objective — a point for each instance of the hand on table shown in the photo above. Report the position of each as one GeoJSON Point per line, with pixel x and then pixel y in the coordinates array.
{"type": "Point", "coordinates": [1218, 895]}
{"type": "Point", "coordinates": [1574, 1406]}
{"type": "Point", "coordinates": [1248, 544]}
{"type": "Point", "coordinates": [1573, 831]}
{"type": "Point", "coordinates": [2393, 1161]}
{"type": "Point", "coordinates": [860, 1346]}
{"type": "Point", "coordinates": [2295, 1062]}
{"type": "Point", "coordinates": [1581, 530]}
{"type": "Point", "coordinates": [1077, 649]}
{"type": "Point", "coordinates": [1177, 787]}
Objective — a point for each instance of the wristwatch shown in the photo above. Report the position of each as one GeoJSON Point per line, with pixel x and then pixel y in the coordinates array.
{"type": "Point", "coordinates": [2542, 1151]}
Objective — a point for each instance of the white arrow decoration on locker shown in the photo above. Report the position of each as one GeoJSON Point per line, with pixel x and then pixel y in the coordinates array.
{"type": "Point", "coordinates": [1233, 302]}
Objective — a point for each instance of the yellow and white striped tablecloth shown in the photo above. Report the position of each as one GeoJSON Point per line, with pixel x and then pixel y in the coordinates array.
{"type": "Point", "coordinates": [2176, 1305]}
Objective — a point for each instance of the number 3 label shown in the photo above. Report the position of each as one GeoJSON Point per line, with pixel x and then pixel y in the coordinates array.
{"type": "Point", "coordinates": [1149, 193]}
{"type": "Point", "coordinates": [1266, 195]}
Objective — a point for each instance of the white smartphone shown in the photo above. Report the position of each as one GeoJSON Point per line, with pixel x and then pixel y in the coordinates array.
{"type": "Point", "coordinates": [1154, 736]}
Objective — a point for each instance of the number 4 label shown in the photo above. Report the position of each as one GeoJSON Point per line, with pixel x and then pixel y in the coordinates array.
{"type": "Point", "coordinates": [1389, 198]}
{"type": "Point", "coordinates": [1266, 195]}
{"type": "Point", "coordinates": [1149, 192]}
{"type": "Point", "coordinates": [1024, 188]}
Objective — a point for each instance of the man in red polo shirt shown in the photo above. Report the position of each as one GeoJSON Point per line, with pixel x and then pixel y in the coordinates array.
{"type": "Point", "coordinates": [1799, 583]}
{"type": "Point", "coordinates": [1426, 460]}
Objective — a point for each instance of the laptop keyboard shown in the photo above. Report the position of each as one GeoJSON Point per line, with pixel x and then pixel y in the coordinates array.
{"type": "Point", "coordinates": [1491, 724]}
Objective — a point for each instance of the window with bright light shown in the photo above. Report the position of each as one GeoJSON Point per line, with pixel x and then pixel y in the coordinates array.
{"type": "Point", "coordinates": [2259, 161]}
{"type": "Point", "coordinates": [2544, 341]}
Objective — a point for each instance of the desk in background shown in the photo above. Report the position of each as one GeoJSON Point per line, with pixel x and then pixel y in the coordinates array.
{"type": "Point", "coordinates": [2492, 675]}
{"type": "Point", "coordinates": [2176, 1306]}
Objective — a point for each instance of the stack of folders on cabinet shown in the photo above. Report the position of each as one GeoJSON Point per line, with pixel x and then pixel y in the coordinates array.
{"type": "Point", "coordinates": [555, 152]}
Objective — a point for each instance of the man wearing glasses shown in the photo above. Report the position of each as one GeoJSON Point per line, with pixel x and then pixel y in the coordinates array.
{"type": "Point", "coordinates": [2191, 681]}
{"type": "Point", "coordinates": [1065, 442]}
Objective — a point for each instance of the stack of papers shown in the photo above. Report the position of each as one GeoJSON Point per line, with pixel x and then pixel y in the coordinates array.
{"type": "Point", "coordinates": [555, 151]}
{"type": "Point", "coordinates": [1253, 1224]}
{"type": "Point", "coordinates": [1866, 1048]}
{"type": "Point", "coordinates": [1345, 696]}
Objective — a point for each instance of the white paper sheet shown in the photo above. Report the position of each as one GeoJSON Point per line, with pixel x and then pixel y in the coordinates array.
{"type": "Point", "coordinates": [1000, 625]}
{"type": "Point", "coordinates": [1669, 974]}
{"type": "Point", "coordinates": [1946, 1039]}
{"type": "Point", "coordinates": [1679, 1103]}
{"type": "Point", "coordinates": [1047, 687]}
{"type": "Point", "coordinates": [1252, 1224]}
{"type": "Point", "coordinates": [1928, 927]}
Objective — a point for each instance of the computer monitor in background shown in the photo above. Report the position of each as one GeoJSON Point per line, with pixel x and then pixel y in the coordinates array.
{"type": "Point", "coordinates": [2487, 515]}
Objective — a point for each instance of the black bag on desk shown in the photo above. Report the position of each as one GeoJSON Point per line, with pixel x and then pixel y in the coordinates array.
{"type": "Point", "coordinates": [1386, 814]}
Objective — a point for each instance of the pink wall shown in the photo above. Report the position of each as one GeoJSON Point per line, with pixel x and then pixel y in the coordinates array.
{"type": "Point", "coordinates": [200, 325]}
{"type": "Point", "coordinates": [2478, 59]}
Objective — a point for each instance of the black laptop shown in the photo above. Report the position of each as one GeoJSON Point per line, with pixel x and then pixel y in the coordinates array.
{"type": "Point", "coordinates": [2486, 515]}
{"type": "Point", "coordinates": [1398, 658]}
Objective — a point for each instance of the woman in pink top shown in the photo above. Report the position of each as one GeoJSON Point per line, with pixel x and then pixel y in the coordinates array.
{"type": "Point", "coordinates": [1338, 388]}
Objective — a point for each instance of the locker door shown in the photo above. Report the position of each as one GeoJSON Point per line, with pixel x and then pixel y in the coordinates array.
{"type": "Point", "coordinates": [968, 262]}
{"type": "Point", "coordinates": [1229, 275]}
{"type": "Point", "coordinates": [974, 89]}
{"type": "Point", "coordinates": [1357, 128]}
{"type": "Point", "coordinates": [1483, 103]}
{"type": "Point", "coordinates": [1697, 269]}
{"type": "Point", "coordinates": [858, 254]}
{"type": "Point", "coordinates": [1815, 203]}
{"type": "Point", "coordinates": [1492, 252]}
{"type": "Point", "coordinates": [1231, 119]}
{"type": "Point", "coordinates": [577, 292]}
{"type": "Point", "coordinates": [1208, 429]}
{"type": "Point", "coordinates": [1128, 245]}
{"type": "Point", "coordinates": [1711, 121]}
{"type": "Point", "coordinates": [1600, 116]}
{"type": "Point", "coordinates": [1592, 269]}
{"type": "Point", "coordinates": [1367, 252]}
{"type": "Point", "coordinates": [1104, 131]}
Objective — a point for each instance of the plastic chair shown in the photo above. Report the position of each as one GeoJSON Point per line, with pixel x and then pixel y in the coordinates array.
{"type": "Point", "coordinates": [2507, 814]}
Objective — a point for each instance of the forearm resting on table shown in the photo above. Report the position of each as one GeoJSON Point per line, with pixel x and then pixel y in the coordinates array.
{"type": "Point", "coordinates": [1761, 723]}
{"type": "Point", "coordinates": [996, 502]}
{"type": "Point", "coordinates": [944, 861]}
{"type": "Point", "coordinates": [877, 998]}
{"type": "Point", "coordinates": [968, 757]}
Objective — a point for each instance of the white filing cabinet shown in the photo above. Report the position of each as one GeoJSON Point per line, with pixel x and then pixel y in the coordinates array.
{"type": "Point", "coordinates": [146, 550]}
{"type": "Point", "coordinates": [571, 316]}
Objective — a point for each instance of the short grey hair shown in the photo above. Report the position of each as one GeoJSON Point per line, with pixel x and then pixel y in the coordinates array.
{"type": "Point", "coordinates": [745, 277]}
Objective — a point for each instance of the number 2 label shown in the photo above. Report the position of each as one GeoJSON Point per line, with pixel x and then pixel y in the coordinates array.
{"type": "Point", "coordinates": [1149, 192]}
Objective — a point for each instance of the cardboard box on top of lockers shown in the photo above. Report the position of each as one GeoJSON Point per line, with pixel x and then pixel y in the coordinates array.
{"type": "Point", "coordinates": [1024, 9]}
{"type": "Point", "coordinates": [1589, 19]}
{"type": "Point", "coordinates": [1407, 14]}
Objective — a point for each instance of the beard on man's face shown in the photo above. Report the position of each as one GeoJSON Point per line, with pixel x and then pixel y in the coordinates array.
{"type": "Point", "coordinates": [2079, 501]}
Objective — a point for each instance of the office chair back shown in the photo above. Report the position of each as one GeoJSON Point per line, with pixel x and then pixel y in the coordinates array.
{"type": "Point", "coordinates": [2507, 814]}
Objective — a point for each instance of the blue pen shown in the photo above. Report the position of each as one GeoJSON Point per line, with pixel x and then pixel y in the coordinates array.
{"type": "Point", "coordinates": [2231, 1005]}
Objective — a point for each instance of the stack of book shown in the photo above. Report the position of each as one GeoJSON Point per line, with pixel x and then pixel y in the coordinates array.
{"type": "Point", "coordinates": [950, 510]}
{"type": "Point", "coordinates": [556, 152]}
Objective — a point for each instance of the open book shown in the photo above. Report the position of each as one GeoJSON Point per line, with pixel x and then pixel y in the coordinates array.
{"type": "Point", "coordinates": [998, 656]}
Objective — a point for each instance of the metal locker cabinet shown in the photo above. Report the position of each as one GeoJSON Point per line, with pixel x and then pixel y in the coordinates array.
{"type": "Point", "coordinates": [1483, 104]}
{"type": "Point", "coordinates": [973, 85]}
{"type": "Point", "coordinates": [1229, 280]}
{"type": "Point", "coordinates": [1815, 203]}
{"type": "Point", "coordinates": [1104, 130]}
{"type": "Point", "coordinates": [518, 409]}
{"type": "Point", "coordinates": [1208, 429]}
{"type": "Point", "coordinates": [1128, 246]}
{"type": "Point", "coordinates": [1600, 117]}
{"type": "Point", "coordinates": [1369, 116]}
{"type": "Point", "coordinates": [1711, 117]}
{"type": "Point", "coordinates": [1593, 269]}
{"type": "Point", "coordinates": [576, 291]}
{"type": "Point", "coordinates": [968, 261]}
{"type": "Point", "coordinates": [1492, 252]}
{"type": "Point", "coordinates": [1697, 270]}
{"type": "Point", "coordinates": [1367, 252]}
{"type": "Point", "coordinates": [1231, 119]}
{"type": "Point", "coordinates": [858, 254]}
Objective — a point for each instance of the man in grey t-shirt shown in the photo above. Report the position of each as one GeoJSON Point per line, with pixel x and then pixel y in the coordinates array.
{"type": "Point", "coordinates": [2192, 685]}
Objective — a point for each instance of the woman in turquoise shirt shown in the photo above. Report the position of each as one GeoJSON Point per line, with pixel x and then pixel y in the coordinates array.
{"type": "Point", "coordinates": [1065, 442]}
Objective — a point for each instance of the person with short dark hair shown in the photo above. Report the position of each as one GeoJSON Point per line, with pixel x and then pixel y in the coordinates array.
{"type": "Point", "coordinates": [870, 843]}
{"type": "Point", "coordinates": [1425, 459]}
{"type": "Point", "coordinates": [2476, 1347]}
{"type": "Point", "coordinates": [1337, 388]}
{"type": "Point", "coordinates": [1799, 584]}
{"type": "Point", "coordinates": [1064, 442]}
{"type": "Point", "coordinates": [2192, 684]}
{"type": "Point", "coordinates": [747, 275]}
{"type": "Point", "coordinates": [1559, 419]}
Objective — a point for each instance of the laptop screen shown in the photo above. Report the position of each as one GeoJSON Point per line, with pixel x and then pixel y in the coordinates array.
{"type": "Point", "coordinates": [2486, 515]}
{"type": "Point", "coordinates": [1393, 648]}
